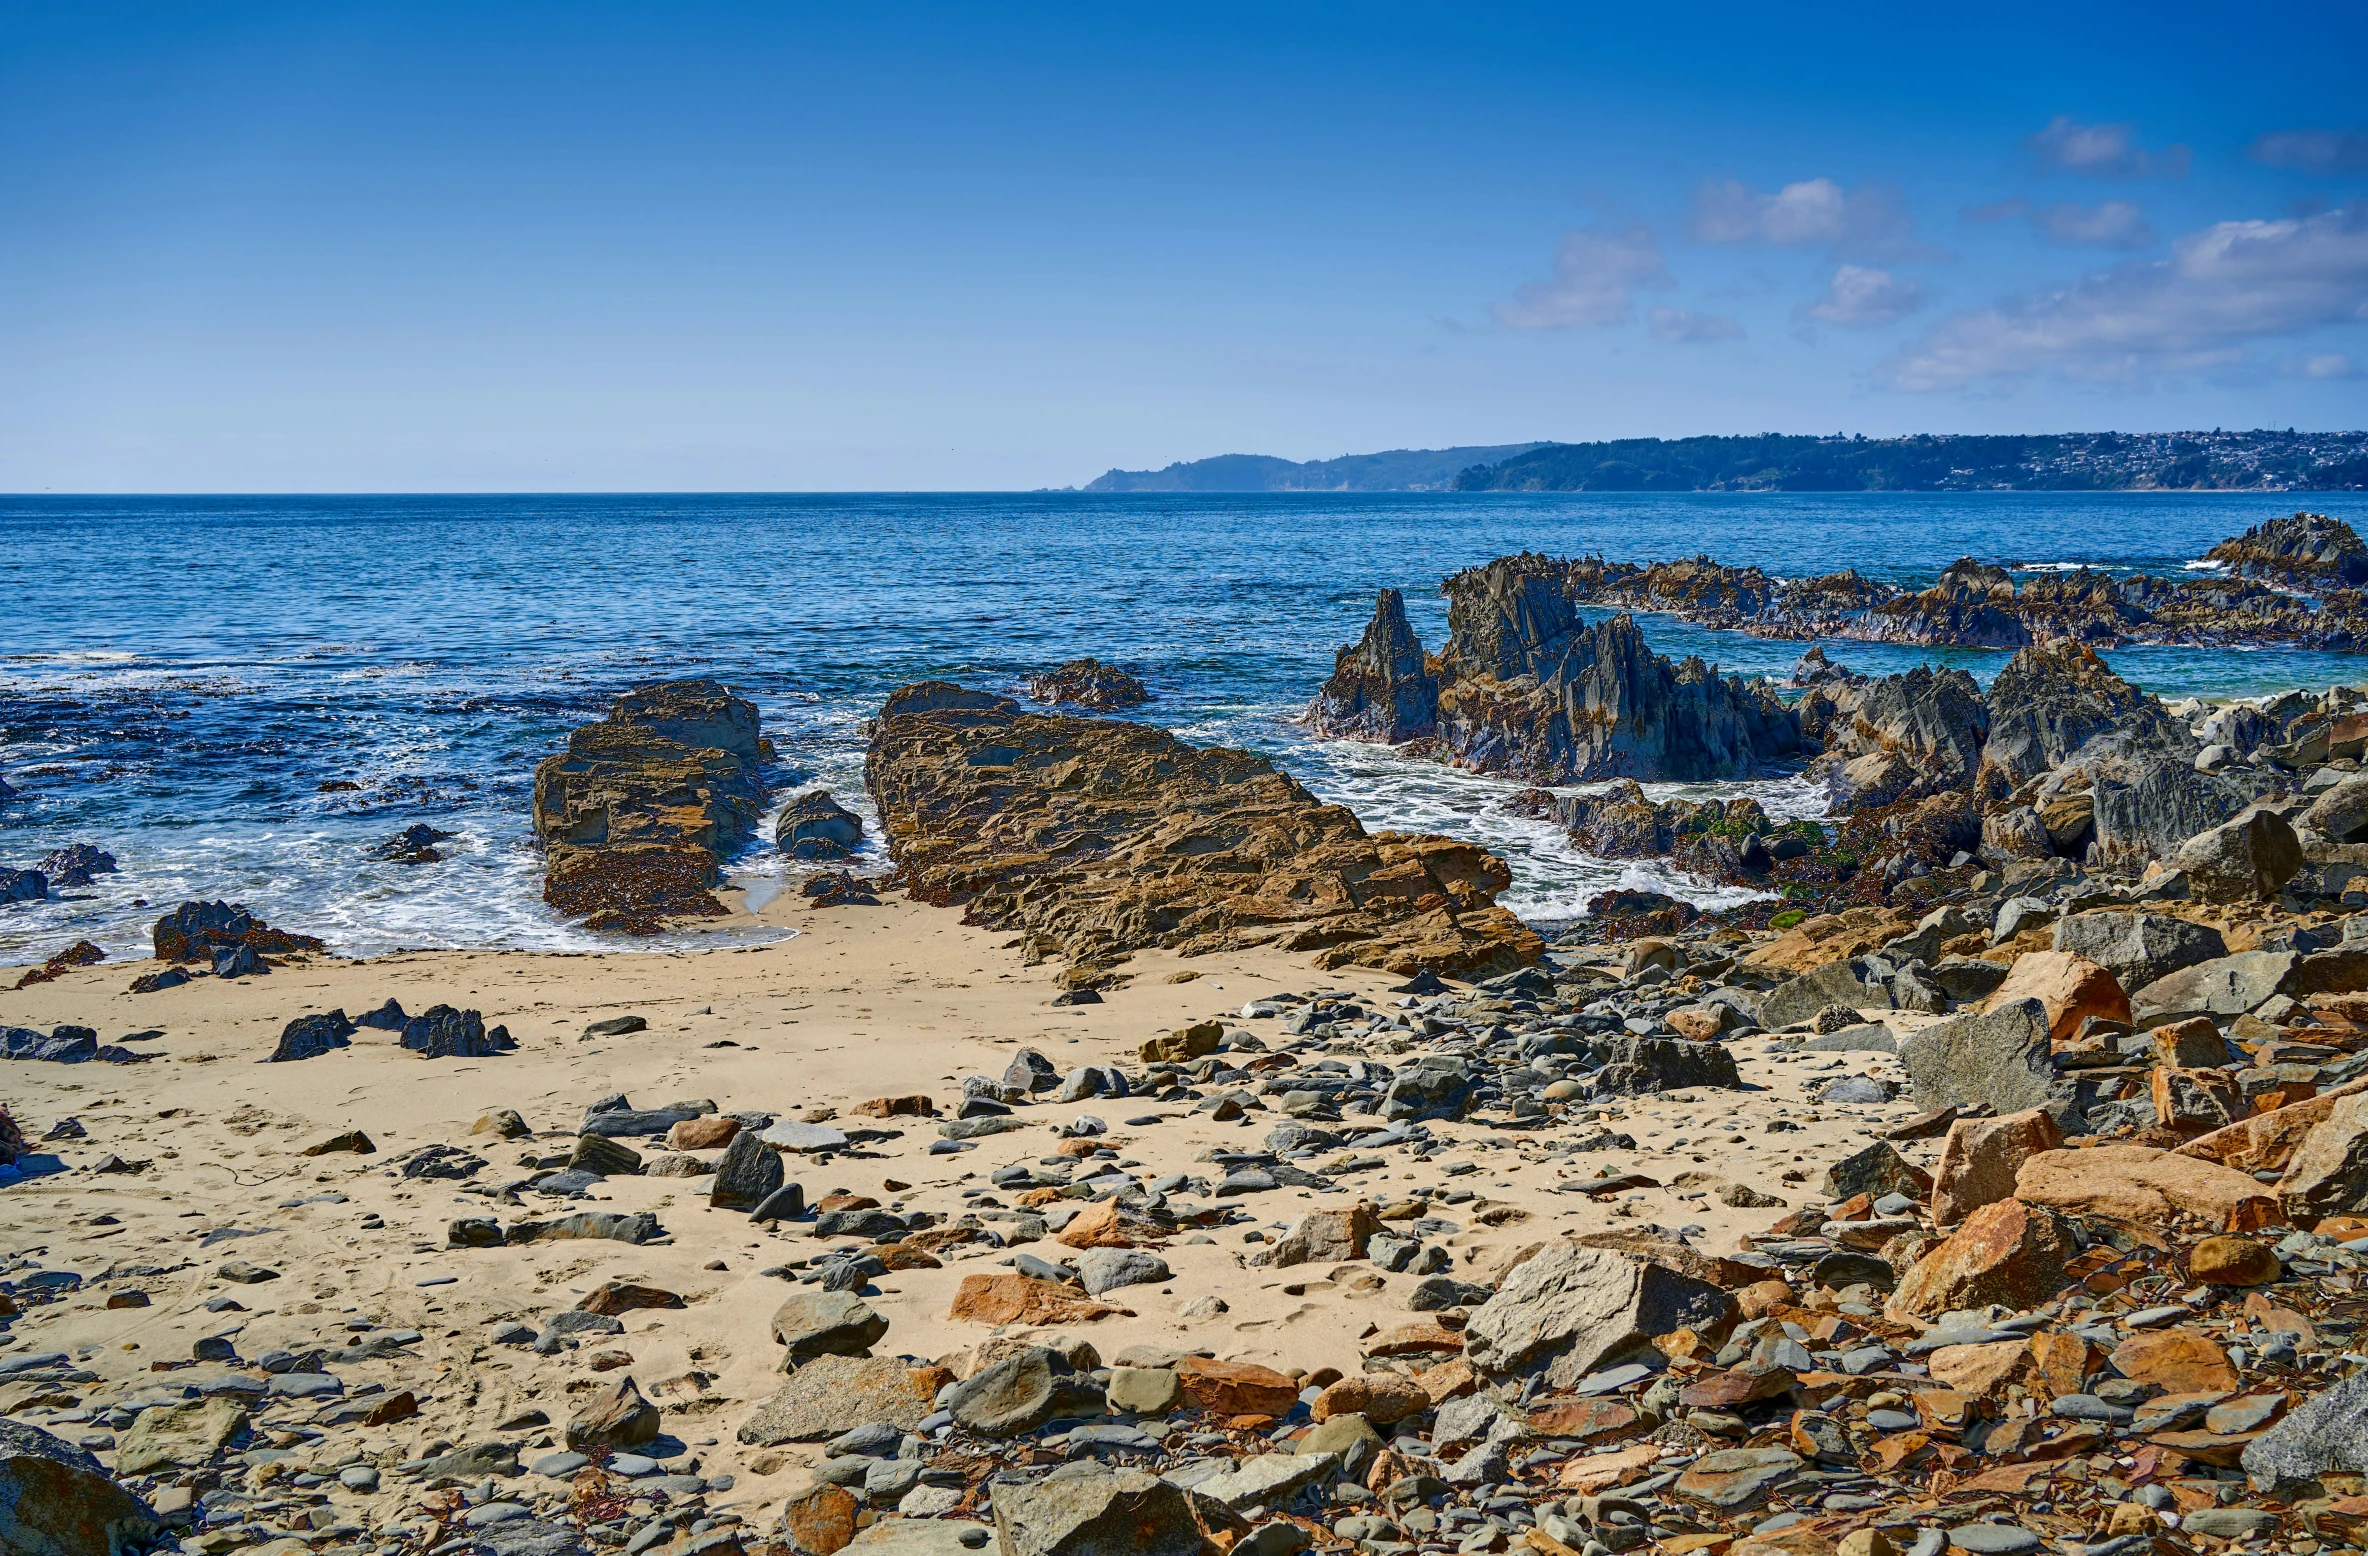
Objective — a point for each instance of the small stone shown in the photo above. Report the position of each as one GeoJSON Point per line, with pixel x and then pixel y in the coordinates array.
{"type": "Point", "coordinates": [616, 1417]}
{"type": "Point", "coordinates": [2232, 1261]}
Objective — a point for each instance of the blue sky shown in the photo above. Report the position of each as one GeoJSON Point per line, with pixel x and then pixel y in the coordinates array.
{"type": "Point", "coordinates": [541, 247]}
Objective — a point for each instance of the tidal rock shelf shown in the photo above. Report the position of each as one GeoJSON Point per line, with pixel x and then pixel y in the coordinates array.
{"type": "Point", "coordinates": [1097, 838]}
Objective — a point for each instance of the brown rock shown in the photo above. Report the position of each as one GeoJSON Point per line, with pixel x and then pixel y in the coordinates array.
{"type": "Point", "coordinates": [708, 1132]}
{"type": "Point", "coordinates": [2007, 1251]}
{"type": "Point", "coordinates": [1184, 1045]}
{"type": "Point", "coordinates": [1979, 1369]}
{"type": "Point", "coordinates": [1236, 1388]}
{"type": "Point", "coordinates": [1763, 1297]}
{"type": "Point", "coordinates": [821, 1521]}
{"type": "Point", "coordinates": [2196, 1102]}
{"type": "Point", "coordinates": [1328, 1237]}
{"type": "Point", "coordinates": [2147, 1187]}
{"type": "Point", "coordinates": [1101, 837]}
{"type": "Point", "coordinates": [1602, 1471]}
{"type": "Point", "coordinates": [915, 1106]}
{"type": "Point", "coordinates": [615, 1417]}
{"type": "Point", "coordinates": [1380, 1397]}
{"type": "Point", "coordinates": [1586, 1419]}
{"type": "Point", "coordinates": [1017, 1299]}
{"type": "Point", "coordinates": [834, 1394]}
{"type": "Point", "coordinates": [2193, 1044]}
{"type": "Point", "coordinates": [1980, 1157]}
{"type": "Point", "coordinates": [1448, 1380]}
{"type": "Point", "coordinates": [2231, 1261]}
{"type": "Point", "coordinates": [2176, 1361]}
{"type": "Point", "coordinates": [1425, 1334]}
{"type": "Point", "coordinates": [616, 1296]}
{"type": "Point", "coordinates": [2071, 988]}
{"type": "Point", "coordinates": [2062, 1362]}
{"type": "Point", "coordinates": [1107, 1226]}
{"type": "Point", "coordinates": [1700, 1024]}
{"type": "Point", "coordinates": [2266, 1142]}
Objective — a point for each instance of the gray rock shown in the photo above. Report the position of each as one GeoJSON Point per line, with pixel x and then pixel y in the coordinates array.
{"type": "Point", "coordinates": [746, 1174]}
{"type": "Point", "coordinates": [1875, 1171]}
{"type": "Point", "coordinates": [789, 1135]}
{"type": "Point", "coordinates": [1022, 1392]}
{"type": "Point", "coordinates": [2328, 1175]}
{"type": "Point", "coordinates": [1029, 1071]}
{"type": "Point", "coordinates": [1852, 982]}
{"type": "Point", "coordinates": [472, 1463]}
{"type": "Point", "coordinates": [1092, 1509]}
{"type": "Point", "coordinates": [1270, 1479]}
{"type": "Point", "coordinates": [2001, 1059]}
{"type": "Point", "coordinates": [1868, 1037]}
{"type": "Point", "coordinates": [2341, 814]}
{"type": "Point", "coordinates": [2229, 1523]}
{"type": "Point", "coordinates": [530, 1537]}
{"type": "Point", "coordinates": [1572, 1310]}
{"type": "Point", "coordinates": [2246, 858]}
{"type": "Point", "coordinates": [827, 1323]}
{"type": "Point", "coordinates": [1966, 978]}
{"type": "Point", "coordinates": [1736, 1478]}
{"type": "Point", "coordinates": [56, 1500]}
{"type": "Point", "coordinates": [922, 1537]}
{"type": "Point", "coordinates": [1435, 1086]}
{"type": "Point", "coordinates": [816, 826]}
{"type": "Point", "coordinates": [1637, 1066]}
{"type": "Point", "coordinates": [1107, 1269]}
{"type": "Point", "coordinates": [2328, 1433]}
{"type": "Point", "coordinates": [1993, 1539]}
{"type": "Point", "coordinates": [2138, 948]}
{"type": "Point", "coordinates": [2223, 987]}
{"type": "Point", "coordinates": [834, 1394]}
{"type": "Point", "coordinates": [600, 1155]}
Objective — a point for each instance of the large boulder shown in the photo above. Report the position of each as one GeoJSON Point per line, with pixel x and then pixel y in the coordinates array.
{"type": "Point", "coordinates": [1381, 688]}
{"type": "Point", "coordinates": [2050, 701]}
{"type": "Point", "coordinates": [1979, 1160]}
{"type": "Point", "coordinates": [1639, 1066]}
{"type": "Point", "coordinates": [1022, 1392]}
{"type": "Point", "coordinates": [831, 1395]}
{"type": "Point", "coordinates": [816, 826]}
{"type": "Point", "coordinates": [1999, 1058]}
{"type": "Point", "coordinates": [2007, 1252]}
{"type": "Point", "coordinates": [2341, 814]}
{"type": "Point", "coordinates": [2225, 986]}
{"type": "Point", "coordinates": [2144, 1187]}
{"type": "Point", "coordinates": [1098, 837]}
{"type": "Point", "coordinates": [641, 807]}
{"type": "Point", "coordinates": [2137, 948]}
{"type": "Point", "coordinates": [2329, 1432]}
{"type": "Point", "coordinates": [1851, 981]}
{"type": "Point", "coordinates": [2068, 988]}
{"type": "Point", "coordinates": [1898, 737]}
{"type": "Point", "coordinates": [1089, 683]}
{"type": "Point", "coordinates": [201, 931]}
{"type": "Point", "coordinates": [1089, 1509]}
{"type": "Point", "coordinates": [1569, 1310]}
{"type": "Point", "coordinates": [2147, 806]}
{"type": "Point", "coordinates": [2244, 859]}
{"type": "Point", "coordinates": [56, 1500]}
{"type": "Point", "coordinates": [2329, 1173]}
{"type": "Point", "coordinates": [2308, 551]}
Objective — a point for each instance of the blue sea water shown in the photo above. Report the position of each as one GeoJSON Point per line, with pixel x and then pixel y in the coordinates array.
{"type": "Point", "coordinates": [181, 675]}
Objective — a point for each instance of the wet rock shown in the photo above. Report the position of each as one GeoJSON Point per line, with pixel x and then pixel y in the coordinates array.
{"type": "Point", "coordinates": [198, 931]}
{"type": "Point", "coordinates": [639, 810]}
{"type": "Point", "coordinates": [615, 1417]}
{"type": "Point", "coordinates": [817, 826]}
{"type": "Point", "coordinates": [1089, 683]}
{"type": "Point", "coordinates": [746, 1175]}
{"type": "Point", "coordinates": [2307, 551]}
{"type": "Point", "coordinates": [1101, 837]}
{"type": "Point", "coordinates": [2242, 860]}
{"type": "Point", "coordinates": [1022, 1392]}
{"type": "Point", "coordinates": [308, 1037]}
{"type": "Point", "coordinates": [415, 844]}
{"type": "Point", "coordinates": [57, 1500]}
{"type": "Point", "coordinates": [75, 864]}
{"type": "Point", "coordinates": [1569, 1311]}
{"type": "Point", "coordinates": [1381, 688]}
{"type": "Point", "coordinates": [2007, 1252]}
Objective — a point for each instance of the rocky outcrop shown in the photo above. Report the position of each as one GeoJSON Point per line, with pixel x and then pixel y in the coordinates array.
{"type": "Point", "coordinates": [640, 810]}
{"type": "Point", "coordinates": [816, 826]}
{"type": "Point", "coordinates": [1382, 687]}
{"type": "Point", "coordinates": [2050, 702]}
{"type": "Point", "coordinates": [1089, 683]}
{"type": "Point", "coordinates": [1726, 839]}
{"type": "Point", "coordinates": [1097, 838]}
{"type": "Point", "coordinates": [1898, 737]}
{"type": "Point", "coordinates": [202, 931]}
{"type": "Point", "coordinates": [1534, 691]}
{"type": "Point", "coordinates": [2303, 551]}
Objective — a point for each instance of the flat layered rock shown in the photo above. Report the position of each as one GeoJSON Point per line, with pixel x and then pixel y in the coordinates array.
{"type": "Point", "coordinates": [831, 1395]}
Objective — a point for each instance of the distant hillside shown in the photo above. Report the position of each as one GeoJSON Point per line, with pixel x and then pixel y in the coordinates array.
{"type": "Point", "coordinates": [1399, 470]}
{"type": "Point", "coordinates": [2100, 461]}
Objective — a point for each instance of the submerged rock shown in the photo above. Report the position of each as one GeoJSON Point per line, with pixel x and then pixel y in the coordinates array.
{"type": "Point", "coordinates": [1089, 683]}
{"type": "Point", "coordinates": [201, 931]}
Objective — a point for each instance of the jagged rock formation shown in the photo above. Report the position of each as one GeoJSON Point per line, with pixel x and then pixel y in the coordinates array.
{"type": "Point", "coordinates": [1099, 837]}
{"type": "Point", "coordinates": [1976, 606]}
{"type": "Point", "coordinates": [1532, 690]}
{"type": "Point", "coordinates": [1382, 687]}
{"type": "Point", "coordinates": [640, 809]}
{"type": "Point", "coordinates": [1089, 683]}
{"type": "Point", "coordinates": [2305, 551]}
{"type": "Point", "coordinates": [1897, 737]}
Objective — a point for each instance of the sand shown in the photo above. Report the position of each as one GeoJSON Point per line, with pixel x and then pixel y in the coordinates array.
{"type": "Point", "coordinates": [864, 1002]}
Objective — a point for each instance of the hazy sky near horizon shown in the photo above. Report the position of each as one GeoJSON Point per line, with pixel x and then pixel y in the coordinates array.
{"type": "Point", "coordinates": [339, 247]}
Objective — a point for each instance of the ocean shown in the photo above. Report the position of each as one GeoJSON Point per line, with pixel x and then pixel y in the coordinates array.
{"type": "Point", "coordinates": [185, 674]}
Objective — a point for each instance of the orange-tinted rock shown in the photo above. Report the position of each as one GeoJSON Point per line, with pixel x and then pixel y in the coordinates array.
{"type": "Point", "coordinates": [1449, 1380]}
{"type": "Point", "coordinates": [2266, 1141]}
{"type": "Point", "coordinates": [821, 1521]}
{"type": "Point", "coordinates": [1414, 1339]}
{"type": "Point", "coordinates": [1236, 1388]}
{"type": "Point", "coordinates": [2329, 1173]}
{"type": "Point", "coordinates": [1979, 1369]}
{"type": "Point", "coordinates": [2231, 1261]}
{"type": "Point", "coordinates": [1602, 1471]}
{"type": "Point", "coordinates": [915, 1106]}
{"type": "Point", "coordinates": [1761, 1298]}
{"type": "Point", "coordinates": [2062, 1362]}
{"type": "Point", "coordinates": [2196, 1102]}
{"type": "Point", "coordinates": [1585, 1419]}
{"type": "Point", "coordinates": [618, 1296]}
{"type": "Point", "coordinates": [1380, 1397]}
{"type": "Point", "coordinates": [2147, 1187]}
{"type": "Point", "coordinates": [903, 1256]}
{"type": "Point", "coordinates": [1097, 837]}
{"type": "Point", "coordinates": [709, 1132]}
{"type": "Point", "coordinates": [1980, 1157]}
{"type": "Point", "coordinates": [1107, 1226]}
{"type": "Point", "coordinates": [2071, 988]}
{"type": "Point", "coordinates": [2007, 1252]}
{"type": "Point", "coordinates": [2176, 1361]}
{"type": "Point", "coordinates": [1018, 1299]}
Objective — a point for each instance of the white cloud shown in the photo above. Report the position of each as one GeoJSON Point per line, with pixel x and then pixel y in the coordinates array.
{"type": "Point", "coordinates": [2221, 289]}
{"type": "Point", "coordinates": [1675, 326]}
{"type": "Point", "coordinates": [1860, 297]}
{"type": "Point", "coordinates": [1597, 274]}
{"type": "Point", "coordinates": [2115, 224]}
{"type": "Point", "coordinates": [2313, 151]}
{"type": "Point", "coordinates": [2322, 364]}
{"type": "Point", "coordinates": [2104, 151]}
{"type": "Point", "coordinates": [1868, 222]}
